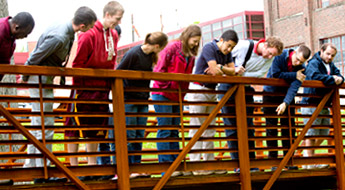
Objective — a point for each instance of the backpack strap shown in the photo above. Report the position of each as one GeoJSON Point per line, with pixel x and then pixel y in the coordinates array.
{"type": "Point", "coordinates": [249, 53]}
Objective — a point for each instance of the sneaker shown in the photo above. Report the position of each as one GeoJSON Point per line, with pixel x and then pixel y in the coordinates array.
{"type": "Point", "coordinates": [105, 177]}
{"type": "Point", "coordinates": [134, 175]}
{"type": "Point", "coordinates": [114, 178]}
{"type": "Point", "coordinates": [254, 169]}
{"type": "Point", "coordinates": [6, 182]}
{"type": "Point", "coordinates": [176, 173]}
{"type": "Point", "coordinates": [322, 166]}
{"type": "Point", "coordinates": [237, 170]}
{"type": "Point", "coordinates": [220, 172]}
{"type": "Point", "coordinates": [292, 167]}
{"type": "Point", "coordinates": [85, 178]}
{"type": "Point", "coordinates": [203, 172]}
{"type": "Point", "coordinates": [58, 179]}
{"type": "Point", "coordinates": [306, 167]}
{"type": "Point", "coordinates": [187, 173]}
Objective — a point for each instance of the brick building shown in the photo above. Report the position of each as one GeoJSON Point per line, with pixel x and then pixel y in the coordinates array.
{"type": "Point", "coordinates": [309, 22]}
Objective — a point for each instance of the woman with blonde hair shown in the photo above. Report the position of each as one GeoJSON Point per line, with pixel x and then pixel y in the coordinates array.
{"type": "Point", "coordinates": [177, 57]}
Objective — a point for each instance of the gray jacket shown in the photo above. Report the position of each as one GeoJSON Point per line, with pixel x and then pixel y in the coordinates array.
{"type": "Point", "coordinates": [52, 47]}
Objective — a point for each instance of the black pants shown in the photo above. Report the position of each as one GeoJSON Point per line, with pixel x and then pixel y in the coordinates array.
{"type": "Point", "coordinates": [274, 122]}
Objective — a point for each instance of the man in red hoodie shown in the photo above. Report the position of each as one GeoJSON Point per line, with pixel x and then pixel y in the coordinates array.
{"type": "Point", "coordinates": [97, 49]}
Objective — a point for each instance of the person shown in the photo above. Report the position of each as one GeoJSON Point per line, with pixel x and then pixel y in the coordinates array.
{"type": "Point", "coordinates": [52, 49]}
{"type": "Point", "coordinates": [215, 59]}
{"type": "Point", "coordinates": [140, 58]}
{"type": "Point", "coordinates": [105, 160]}
{"type": "Point", "coordinates": [177, 57]}
{"type": "Point", "coordinates": [320, 67]}
{"type": "Point", "coordinates": [11, 29]}
{"type": "Point", "coordinates": [97, 49]}
{"type": "Point", "coordinates": [255, 57]}
{"type": "Point", "coordinates": [288, 66]}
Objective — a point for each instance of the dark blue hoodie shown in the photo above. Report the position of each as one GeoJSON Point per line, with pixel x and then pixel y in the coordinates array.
{"type": "Point", "coordinates": [279, 69]}
{"type": "Point", "coordinates": [317, 71]}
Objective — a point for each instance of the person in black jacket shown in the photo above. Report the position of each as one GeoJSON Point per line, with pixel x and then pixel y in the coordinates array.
{"type": "Point", "coordinates": [322, 68]}
{"type": "Point", "coordinates": [288, 66]}
{"type": "Point", "coordinates": [140, 58]}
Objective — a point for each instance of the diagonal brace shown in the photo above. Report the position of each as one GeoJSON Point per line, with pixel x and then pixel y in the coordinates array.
{"type": "Point", "coordinates": [195, 138]}
{"type": "Point", "coordinates": [42, 148]}
{"type": "Point", "coordinates": [293, 148]}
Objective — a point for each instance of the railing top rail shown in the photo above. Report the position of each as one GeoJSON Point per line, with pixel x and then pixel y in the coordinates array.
{"type": "Point", "coordinates": [141, 75]}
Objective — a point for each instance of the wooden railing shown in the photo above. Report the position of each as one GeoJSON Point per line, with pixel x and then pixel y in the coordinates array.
{"type": "Point", "coordinates": [332, 153]}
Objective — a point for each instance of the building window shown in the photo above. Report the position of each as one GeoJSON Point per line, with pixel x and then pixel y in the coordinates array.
{"type": "Point", "coordinates": [216, 26]}
{"type": "Point", "coordinates": [238, 20]}
{"type": "Point", "coordinates": [323, 3]}
{"type": "Point", "coordinates": [238, 28]}
{"type": "Point", "coordinates": [227, 23]}
{"type": "Point", "coordinates": [206, 29]}
{"type": "Point", "coordinates": [217, 34]}
{"type": "Point", "coordinates": [206, 37]}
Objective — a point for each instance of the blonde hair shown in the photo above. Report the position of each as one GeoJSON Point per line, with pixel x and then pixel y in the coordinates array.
{"type": "Point", "coordinates": [275, 42]}
{"type": "Point", "coordinates": [112, 7]}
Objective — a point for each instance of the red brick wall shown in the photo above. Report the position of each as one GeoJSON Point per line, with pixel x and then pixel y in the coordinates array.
{"type": "Point", "coordinates": [291, 30]}
{"type": "Point", "coordinates": [295, 29]}
{"type": "Point", "coordinates": [329, 22]}
{"type": "Point", "coordinates": [289, 7]}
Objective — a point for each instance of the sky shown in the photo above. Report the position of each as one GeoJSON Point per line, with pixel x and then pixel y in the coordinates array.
{"type": "Point", "coordinates": [176, 14]}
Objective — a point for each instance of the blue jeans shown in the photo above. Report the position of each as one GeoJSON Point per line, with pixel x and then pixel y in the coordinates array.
{"type": "Point", "coordinates": [232, 121]}
{"type": "Point", "coordinates": [105, 160]}
{"type": "Point", "coordinates": [167, 133]}
{"type": "Point", "coordinates": [135, 133]}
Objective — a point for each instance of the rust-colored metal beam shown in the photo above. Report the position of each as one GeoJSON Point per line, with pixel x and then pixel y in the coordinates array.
{"type": "Point", "coordinates": [297, 141]}
{"type": "Point", "coordinates": [242, 134]}
{"type": "Point", "coordinates": [195, 138]}
{"type": "Point", "coordinates": [120, 133]}
{"type": "Point", "coordinates": [338, 140]}
{"type": "Point", "coordinates": [42, 148]}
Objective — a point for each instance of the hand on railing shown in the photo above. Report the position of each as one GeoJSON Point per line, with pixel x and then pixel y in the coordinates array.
{"type": "Point", "coordinates": [214, 70]}
{"type": "Point", "coordinates": [239, 70]}
{"type": "Point", "coordinates": [300, 76]}
{"type": "Point", "coordinates": [338, 80]}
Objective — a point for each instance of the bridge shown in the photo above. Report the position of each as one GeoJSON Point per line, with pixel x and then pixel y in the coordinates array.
{"type": "Point", "coordinates": [15, 122]}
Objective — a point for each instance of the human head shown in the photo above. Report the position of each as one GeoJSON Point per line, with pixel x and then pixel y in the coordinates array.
{"type": "Point", "coordinates": [112, 14]}
{"type": "Point", "coordinates": [21, 25]}
{"type": "Point", "coordinates": [273, 46]}
{"type": "Point", "coordinates": [190, 39]}
{"type": "Point", "coordinates": [300, 56]}
{"type": "Point", "coordinates": [158, 40]}
{"type": "Point", "coordinates": [328, 52]}
{"type": "Point", "coordinates": [227, 41]}
{"type": "Point", "coordinates": [85, 18]}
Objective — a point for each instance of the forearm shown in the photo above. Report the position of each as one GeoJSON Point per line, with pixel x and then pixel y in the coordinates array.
{"type": "Point", "coordinates": [228, 70]}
